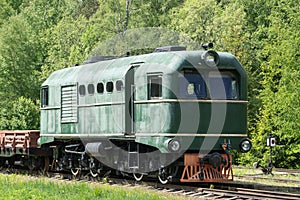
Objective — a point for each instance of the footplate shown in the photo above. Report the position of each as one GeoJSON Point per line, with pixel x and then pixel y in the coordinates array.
{"type": "Point", "coordinates": [200, 170]}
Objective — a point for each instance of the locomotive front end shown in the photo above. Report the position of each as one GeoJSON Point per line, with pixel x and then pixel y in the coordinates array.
{"type": "Point", "coordinates": [216, 85]}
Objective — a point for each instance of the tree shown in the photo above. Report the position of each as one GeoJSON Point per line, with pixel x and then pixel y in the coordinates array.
{"type": "Point", "coordinates": [23, 114]}
{"type": "Point", "coordinates": [18, 59]}
{"type": "Point", "coordinates": [152, 13]}
{"type": "Point", "coordinates": [280, 82]}
{"type": "Point", "coordinates": [5, 11]}
{"type": "Point", "coordinates": [196, 20]}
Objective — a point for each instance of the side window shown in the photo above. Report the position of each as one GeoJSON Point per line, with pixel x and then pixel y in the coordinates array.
{"type": "Point", "coordinates": [154, 86]}
{"type": "Point", "coordinates": [109, 86]}
{"type": "Point", "coordinates": [119, 85]}
{"type": "Point", "coordinates": [234, 92]}
{"type": "Point", "coordinates": [45, 97]}
{"type": "Point", "coordinates": [81, 90]}
{"type": "Point", "coordinates": [100, 88]}
{"type": "Point", "coordinates": [91, 89]}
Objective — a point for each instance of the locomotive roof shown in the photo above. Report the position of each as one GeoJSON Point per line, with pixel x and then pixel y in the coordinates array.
{"type": "Point", "coordinates": [165, 62]}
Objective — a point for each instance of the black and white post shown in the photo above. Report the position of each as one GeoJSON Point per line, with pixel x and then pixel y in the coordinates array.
{"type": "Point", "coordinates": [271, 142]}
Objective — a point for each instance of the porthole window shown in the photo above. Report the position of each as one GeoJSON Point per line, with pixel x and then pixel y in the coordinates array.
{"type": "Point", "coordinates": [119, 85]}
{"type": "Point", "coordinates": [109, 86]}
{"type": "Point", "coordinates": [100, 88]}
{"type": "Point", "coordinates": [91, 89]}
{"type": "Point", "coordinates": [81, 90]}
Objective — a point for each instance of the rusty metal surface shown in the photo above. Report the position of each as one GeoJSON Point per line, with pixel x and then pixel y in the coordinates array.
{"type": "Point", "coordinates": [194, 172]}
{"type": "Point", "coordinates": [23, 140]}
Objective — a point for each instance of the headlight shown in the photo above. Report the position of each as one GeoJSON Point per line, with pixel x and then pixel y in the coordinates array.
{"type": "Point", "coordinates": [245, 145]}
{"type": "Point", "coordinates": [211, 58]}
{"type": "Point", "coordinates": [173, 145]}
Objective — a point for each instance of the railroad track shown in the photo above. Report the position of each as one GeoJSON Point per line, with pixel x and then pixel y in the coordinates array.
{"type": "Point", "coordinates": [278, 170]}
{"type": "Point", "coordinates": [229, 193]}
{"type": "Point", "coordinates": [280, 180]}
{"type": "Point", "coordinates": [207, 193]}
{"type": "Point", "coordinates": [191, 192]}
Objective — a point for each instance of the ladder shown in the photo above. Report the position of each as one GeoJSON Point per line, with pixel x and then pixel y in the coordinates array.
{"type": "Point", "coordinates": [133, 156]}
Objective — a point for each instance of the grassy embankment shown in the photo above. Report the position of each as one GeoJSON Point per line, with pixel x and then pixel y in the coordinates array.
{"type": "Point", "coordinates": [17, 187]}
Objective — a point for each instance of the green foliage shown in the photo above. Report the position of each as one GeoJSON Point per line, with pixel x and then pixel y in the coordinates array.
{"type": "Point", "coordinates": [152, 13]}
{"type": "Point", "coordinates": [208, 21]}
{"type": "Point", "coordinates": [87, 8]}
{"type": "Point", "coordinates": [5, 11]}
{"type": "Point", "coordinates": [44, 14]}
{"type": "Point", "coordinates": [67, 44]}
{"type": "Point", "coordinates": [22, 115]}
{"type": "Point", "coordinates": [20, 187]}
{"type": "Point", "coordinates": [196, 19]}
{"type": "Point", "coordinates": [16, 4]}
{"type": "Point", "coordinates": [19, 58]}
{"type": "Point", "coordinates": [280, 94]}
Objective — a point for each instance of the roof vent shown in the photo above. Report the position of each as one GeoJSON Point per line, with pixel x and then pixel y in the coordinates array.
{"type": "Point", "coordinates": [99, 58]}
{"type": "Point", "coordinates": [170, 48]}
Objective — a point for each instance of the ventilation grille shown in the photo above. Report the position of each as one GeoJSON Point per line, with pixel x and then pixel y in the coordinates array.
{"type": "Point", "coordinates": [69, 104]}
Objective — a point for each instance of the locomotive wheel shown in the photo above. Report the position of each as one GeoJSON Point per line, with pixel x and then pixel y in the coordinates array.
{"type": "Point", "coordinates": [163, 179]}
{"type": "Point", "coordinates": [46, 164]}
{"type": "Point", "coordinates": [163, 176]}
{"type": "Point", "coordinates": [75, 171]}
{"type": "Point", "coordinates": [31, 164]}
{"type": "Point", "coordinates": [94, 167]}
{"type": "Point", "coordinates": [138, 177]}
{"type": "Point", "coordinates": [94, 173]}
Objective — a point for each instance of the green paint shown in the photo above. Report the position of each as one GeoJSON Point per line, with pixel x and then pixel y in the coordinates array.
{"type": "Point", "coordinates": [108, 113]}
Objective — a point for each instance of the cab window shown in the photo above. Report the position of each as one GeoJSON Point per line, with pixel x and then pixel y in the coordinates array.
{"type": "Point", "coordinates": [192, 86]}
{"type": "Point", "coordinates": [44, 96]}
{"type": "Point", "coordinates": [154, 86]}
{"type": "Point", "coordinates": [223, 85]}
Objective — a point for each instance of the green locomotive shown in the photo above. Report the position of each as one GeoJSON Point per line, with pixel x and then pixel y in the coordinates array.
{"type": "Point", "coordinates": [171, 113]}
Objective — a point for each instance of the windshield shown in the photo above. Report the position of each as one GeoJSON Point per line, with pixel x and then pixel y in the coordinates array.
{"type": "Point", "coordinates": [210, 85]}
{"type": "Point", "coordinates": [222, 86]}
{"type": "Point", "coordinates": [192, 86]}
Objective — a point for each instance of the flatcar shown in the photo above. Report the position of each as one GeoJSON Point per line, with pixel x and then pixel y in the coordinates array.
{"type": "Point", "coordinates": [173, 114]}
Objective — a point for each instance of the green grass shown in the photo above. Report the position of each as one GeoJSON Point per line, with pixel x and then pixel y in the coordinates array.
{"type": "Point", "coordinates": [18, 187]}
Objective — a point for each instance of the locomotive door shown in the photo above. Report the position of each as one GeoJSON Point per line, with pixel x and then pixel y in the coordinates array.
{"type": "Point", "coordinates": [129, 100]}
